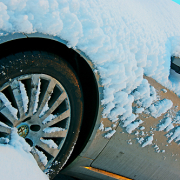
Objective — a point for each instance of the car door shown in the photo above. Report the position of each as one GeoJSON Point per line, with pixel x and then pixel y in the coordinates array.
{"type": "Point", "coordinates": [135, 156]}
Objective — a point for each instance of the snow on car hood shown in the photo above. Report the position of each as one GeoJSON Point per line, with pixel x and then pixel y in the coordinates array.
{"type": "Point", "coordinates": [124, 39]}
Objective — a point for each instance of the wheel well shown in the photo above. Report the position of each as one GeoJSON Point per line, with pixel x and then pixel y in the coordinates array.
{"type": "Point", "coordinates": [83, 70]}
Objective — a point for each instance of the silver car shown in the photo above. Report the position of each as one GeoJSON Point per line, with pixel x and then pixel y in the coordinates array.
{"type": "Point", "coordinates": [53, 95]}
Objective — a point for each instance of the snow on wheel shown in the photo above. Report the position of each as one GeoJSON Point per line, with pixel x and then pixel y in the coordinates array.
{"type": "Point", "coordinates": [42, 98]}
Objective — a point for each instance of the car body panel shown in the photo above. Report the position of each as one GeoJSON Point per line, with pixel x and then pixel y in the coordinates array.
{"type": "Point", "coordinates": [132, 160]}
{"type": "Point", "coordinates": [115, 154]}
{"type": "Point", "coordinates": [5, 37]}
{"type": "Point", "coordinates": [136, 162]}
{"type": "Point", "coordinates": [96, 142]}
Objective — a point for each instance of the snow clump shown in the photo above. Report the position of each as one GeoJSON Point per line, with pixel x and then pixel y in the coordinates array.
{"type": "Point", "coordinates": [101, 127]}
{"type": "Point", "coordinates": [147, 141]}
{"type": "Point", "coordinates": [124, 40]}
{"type": "Point", "coordinates": [165, 124]}
{"type": "Point", "coordinates": [160, 107]}
{"type": "Point", "coordinates": [7, 104]}
{"type": "Point", "coordinates": [52, 129]}
{"type": "Point", "coordinates": [18, 142]}
{"type": "Point", "coordinates": [109, 134]}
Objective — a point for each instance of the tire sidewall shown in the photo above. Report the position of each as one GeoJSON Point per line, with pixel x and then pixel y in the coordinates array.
{"type": "Point", "coordinates": [56, 67]}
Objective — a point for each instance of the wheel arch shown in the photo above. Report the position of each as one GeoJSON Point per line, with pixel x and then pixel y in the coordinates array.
{"type": "Point", "coordinates": [78, 60]}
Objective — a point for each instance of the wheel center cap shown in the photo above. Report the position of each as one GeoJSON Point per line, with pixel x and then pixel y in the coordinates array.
{"type": "Point", "coordinates": [23, 130]}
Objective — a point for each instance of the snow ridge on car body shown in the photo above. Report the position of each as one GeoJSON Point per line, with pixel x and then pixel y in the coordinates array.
{"type": "Point", "coordinates": [115, 42]}
{"type": "Point", "coordinates": [124, 40]}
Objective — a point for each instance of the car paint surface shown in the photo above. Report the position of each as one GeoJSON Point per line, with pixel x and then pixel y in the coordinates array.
{"type": "Point", "coordinates": [115, 155]}
{"type": "Point", "coordinates": [96, 142]}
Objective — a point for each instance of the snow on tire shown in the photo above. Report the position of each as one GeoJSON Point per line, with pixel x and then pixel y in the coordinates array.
{"type": "Point", "coordinates": [41, 96]}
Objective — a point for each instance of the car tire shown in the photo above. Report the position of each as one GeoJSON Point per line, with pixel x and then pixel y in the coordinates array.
{"type": "Point", "coordinates": [33, 83]}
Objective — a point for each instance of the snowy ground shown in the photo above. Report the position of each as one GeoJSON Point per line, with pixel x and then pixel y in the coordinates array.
{"type": "Point", "coordinates": [124, 40]}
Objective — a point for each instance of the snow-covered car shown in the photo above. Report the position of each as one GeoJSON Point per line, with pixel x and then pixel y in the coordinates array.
{"type": "Point", "coordinates": [89, 85]}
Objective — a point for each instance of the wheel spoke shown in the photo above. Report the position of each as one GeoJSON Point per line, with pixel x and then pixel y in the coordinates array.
{"type": "Point", "coordinates": [61, 117]}
{"type": "Point", "coordinates": [7, 110]}
{"type": "Point", "coordinates": [40, 102]}
{"type": "Point", "coordinates": [53, 152]}
{"type": "Point", "coordinates": [15, 86]}
{"type": "Point", "coordinates": [60, 99]}
{"type": "Point", "coordinates": [7, 113]}
{"type": "Point", "coordinates": [36, 157]}
{"type": "Point", "coordinates": [56, 134]}
{"type": "Point", "coordinates": [35, 83]}
{"type": "Point", "coordinates": [4, 129]}
{"type": "Point", "coordinates": [47, 94]}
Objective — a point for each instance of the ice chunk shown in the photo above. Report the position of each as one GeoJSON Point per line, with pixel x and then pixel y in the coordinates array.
{"type": "Point", "coordinates": [53, 129]}
{"type": "Point", "coordinates": [107, 109]}
{"type": "Point", "coordinates": [175, 136]}
{"type": "Point", "coordinates": [160, 107]}
{"type": "Point", "coordinates": [110, 134]}
{"type": "Point", "coordinates": [37, 97]}
{"type": "Point", "coordinates": [140, 140]}
{"type": "Point", "coordinates": [132, 126]}
{"type": "Point", "coordinates": [139, 110]}
{"type": "Point", "coordinates": [50, 143]}
{"type": "Point", "coordinates": [42, 157]}
{"type": "Point", "coordinates": [148, 141]}
{"type": "Point", "coordinates": [18, 142]}
{"type": "Point", "coordinates": [7, 103]}
{"type": "Point", "coordinates": [107, 129]}
{"type": "Point", "coordinates": [142, 128]}
{"type": "Point", "coordinates": [130, 120]}
{"type": "Point", "coordinates": [101, 127]}
{"type": "Point", "coordinates": [49, 118]}
{"type": "Point", "coordinates": [117, 111]}
{"type": "Point", "coordinates": [24, 96]}
{"type": "Point", "coordinates": [164, 90]}
{"type": "Point", "coordinates": [164, 123]}
{"type": "Point", "coordinates": [142, 91]}
{"type": "Point", "coordinates": [169, 127]}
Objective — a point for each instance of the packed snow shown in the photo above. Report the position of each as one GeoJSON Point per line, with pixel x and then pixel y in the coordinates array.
{"type": "Point", "coordinates": [49, 118]}
{"type": "Point", "coordinates": [108, 129]}
{"type": "Point", "coordinates": [24, 96]}
{"type": "Point", "coordinates": [16, 161]}
{"type": "Point", "coordinates": [165, 124]}
{"type": "Point", "coordinates": [160, 107]}
{"type": "Point", "coordinates": [148, 141]}
{"type": "Point", "coordinates": [37, 96]}
{"type": "Point", "coordinates": [101, 127]}
{"type": "Point", "coordinates": [18, 165]}
{"type": "Point", "coordinates": [175, 136]}
{"type": "Point", "coordinates": [42, 157]}
{"type": "Point", "coordinates": [52, 129]}
{"type": "Point", "coordinates": [132, 126]}
{"type": "Point", "coordinates": [110, 134]}
{"type": "Point", "coordinates": [45, 108]}
{"type": "Point", "coordinates": [5, 102]}
{"type": "Point", "coordinates": [124, 39]}
{"type": "Point", "coordinates": [50, 143]}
